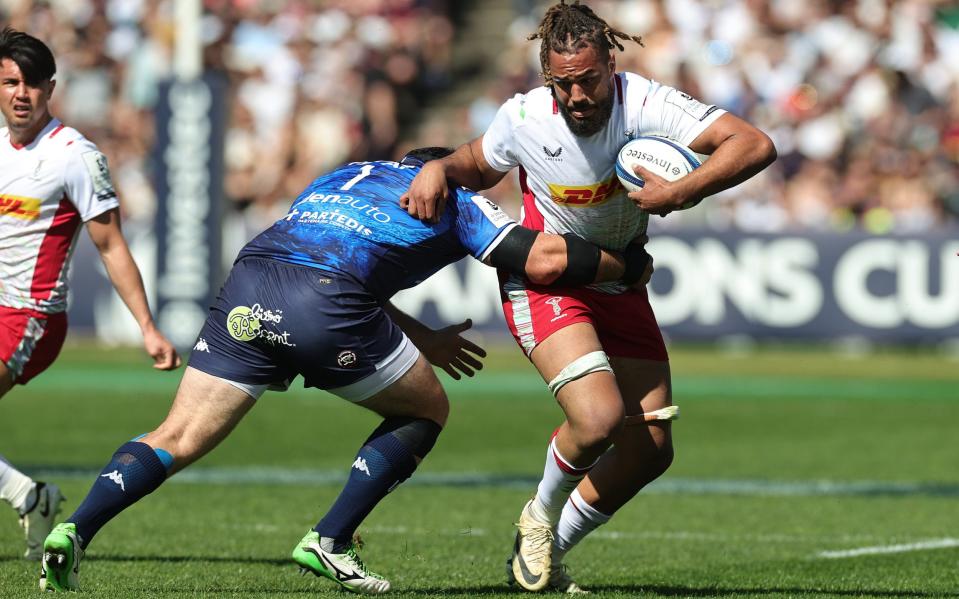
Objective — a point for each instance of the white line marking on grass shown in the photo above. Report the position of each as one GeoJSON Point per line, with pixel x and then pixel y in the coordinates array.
{"type": "Point", "coordinates": [508, 384]}
{"type": "Point", "coordinates": [883, 549]}
{"type": "Point", "coordinates": [406, 531]}
{"type": "Point", "coordinates": [669, 485]}
{"type": "Point", "coordinates": [616, 535]}
{"type": "Point", "coordinates": [725, 537]}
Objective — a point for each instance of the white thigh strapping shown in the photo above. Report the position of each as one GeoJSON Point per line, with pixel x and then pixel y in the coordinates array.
{"type": "Point", "coordinates": [580, 367]}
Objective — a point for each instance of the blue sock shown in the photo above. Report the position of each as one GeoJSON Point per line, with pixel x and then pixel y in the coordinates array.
{"type": "Point", "coordinates": [135, 471]}
{"type": "Point", "coordinates": [386, 459]}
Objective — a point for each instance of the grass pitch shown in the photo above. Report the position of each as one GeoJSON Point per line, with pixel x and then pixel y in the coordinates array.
{"type": "Point", "coordinates": [798, 474]}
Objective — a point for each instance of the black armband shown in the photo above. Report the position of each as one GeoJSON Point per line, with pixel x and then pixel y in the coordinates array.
{"type": "Point", "coordinates": [637, 259]}
{"type": "Point", "coordinates": [513, 251]}
{"type": "Point", "coordinates": [582, 262]}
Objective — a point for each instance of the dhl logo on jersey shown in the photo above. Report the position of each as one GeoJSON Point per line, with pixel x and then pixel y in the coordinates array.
{"type": "Point", "coordinates": [20, 207]}
{"type": "Point", "coordinates": [579, 196]}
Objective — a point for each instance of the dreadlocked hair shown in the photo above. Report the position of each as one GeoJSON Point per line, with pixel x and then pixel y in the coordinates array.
{"type": "Point", "coordinates": [568, 27]}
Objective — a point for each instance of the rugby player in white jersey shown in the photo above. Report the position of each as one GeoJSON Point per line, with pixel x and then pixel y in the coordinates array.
{"type": "Point", "coordinates": [565, 137]}
{"type": "Point", "coordinates": [52, 180]}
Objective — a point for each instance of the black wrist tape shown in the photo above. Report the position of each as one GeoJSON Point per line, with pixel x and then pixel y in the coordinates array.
{"type": "Point", "coordinates": [582, 262]}
{"type": "Point", "coordinates": [637, 259]}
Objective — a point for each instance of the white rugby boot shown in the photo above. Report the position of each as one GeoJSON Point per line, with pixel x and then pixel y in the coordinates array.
{"type": "Point", "coordinates": [559, 579]}
{"type": "Point", "coordinates": [38, 522]}
{"type": "Point", "coordinates": [531, 551]}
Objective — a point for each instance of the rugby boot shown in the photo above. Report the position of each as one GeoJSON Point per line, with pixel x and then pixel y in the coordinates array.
{"type": "Point", "coordinates": [345, 569]}
{"type": "Point", "coordinates": [38, 521]}
{"type": "Point", "coordinates": [559, 579]}
{"type": "Point", "coordinates": [60, 568]}
{"type": "Point", "coordinates": [531, 551]}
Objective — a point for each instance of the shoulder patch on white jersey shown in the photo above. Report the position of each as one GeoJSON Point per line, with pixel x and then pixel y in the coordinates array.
{"type": "Point", "coordinates": [690, 105]}
{"type": "Point", "coordinates": [96, 164]}
{"type": "Point", "coordinates": [493, 212]}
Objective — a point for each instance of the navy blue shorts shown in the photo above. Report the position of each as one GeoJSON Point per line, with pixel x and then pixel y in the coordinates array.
{"type": "Point", "coordinates": [273, 321]}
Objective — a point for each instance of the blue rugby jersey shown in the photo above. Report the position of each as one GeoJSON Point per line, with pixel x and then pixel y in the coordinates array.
{"type": "Point", "coordinates": [349, 221]}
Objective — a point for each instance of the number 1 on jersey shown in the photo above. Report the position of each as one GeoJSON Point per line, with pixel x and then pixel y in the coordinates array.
{"type": "Point", "coordinates": [364, 172]}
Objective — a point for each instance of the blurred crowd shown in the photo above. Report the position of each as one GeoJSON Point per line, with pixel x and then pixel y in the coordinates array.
{"type": "Point", "coordinates": [859, 96]}
{"type": "Point", "coordinates": [311, 85]}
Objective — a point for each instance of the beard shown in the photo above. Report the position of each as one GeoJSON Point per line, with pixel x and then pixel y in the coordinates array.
{"type": "Point", "coordinates": [592, 124]}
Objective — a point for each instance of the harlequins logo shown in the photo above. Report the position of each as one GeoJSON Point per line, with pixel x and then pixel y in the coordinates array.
{"type": "Point", "coordinates": [553, 154]}
{"type": "Point", "coordinates": [554, 302]}
{"type": "Point", "coordinates": [346, 358]}
{"type": "Point", "coordinates": [557, 309]}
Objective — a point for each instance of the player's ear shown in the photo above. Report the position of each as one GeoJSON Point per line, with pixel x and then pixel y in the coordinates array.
{"type": "Point", "coordinates": [52, 84]}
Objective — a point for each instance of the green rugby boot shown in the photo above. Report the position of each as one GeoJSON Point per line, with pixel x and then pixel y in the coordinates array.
{"type": "Point", "coordinates": [60, 568]}
{"type": "Point", "coordinates": [345, 569]}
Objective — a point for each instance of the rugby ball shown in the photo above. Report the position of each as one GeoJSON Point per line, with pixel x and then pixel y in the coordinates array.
{"type": "Point", "coordinates": [662, 156]}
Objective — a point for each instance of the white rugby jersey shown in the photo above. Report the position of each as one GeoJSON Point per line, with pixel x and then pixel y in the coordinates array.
{"type": "Point", "coordinates": [48, 188]}
{"type": "Point", "coordinates": [569, 183]}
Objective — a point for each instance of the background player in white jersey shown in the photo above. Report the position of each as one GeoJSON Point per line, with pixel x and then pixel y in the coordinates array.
{"type": "Point", "coordinates": [564, 137]}
{"type": "Point", "coordinates": [52, 180]}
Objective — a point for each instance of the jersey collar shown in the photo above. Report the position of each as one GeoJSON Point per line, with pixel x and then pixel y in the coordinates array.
{"type": "Point", "coordinates": [51, 129]}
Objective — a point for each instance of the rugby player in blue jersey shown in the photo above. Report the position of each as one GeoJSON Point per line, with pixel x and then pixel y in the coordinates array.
{"type": "Point", "coordinates": [309, 297]}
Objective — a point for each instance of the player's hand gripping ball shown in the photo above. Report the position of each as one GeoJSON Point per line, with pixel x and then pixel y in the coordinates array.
{"type": "Point", "coordinates": [658, 155]}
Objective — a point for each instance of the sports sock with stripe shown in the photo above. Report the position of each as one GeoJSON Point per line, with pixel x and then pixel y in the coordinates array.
{"type": "Point", "coordinates": [388, 457]}
{"type": "Point", "coordinates": [135, 471]}
{"type": "Point", "coordinates": [559, 479]}
{"type": "Point", "coordinates": [578, 520]}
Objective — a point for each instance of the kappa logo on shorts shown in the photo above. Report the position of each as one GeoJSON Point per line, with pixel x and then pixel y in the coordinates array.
{"type": "Point", "coordinates": [201, 345]}
{"type": "Point", "coordinates": [346, 358]}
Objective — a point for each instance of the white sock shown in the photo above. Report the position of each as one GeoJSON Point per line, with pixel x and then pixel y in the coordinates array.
{"type": "Point", "coordinates": [559, 479]}
{"type": "Point", "coordinates": [578, 520]}
{"type": "Point", "coordinates": [15, 487]}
